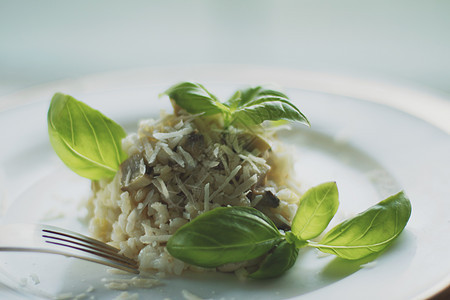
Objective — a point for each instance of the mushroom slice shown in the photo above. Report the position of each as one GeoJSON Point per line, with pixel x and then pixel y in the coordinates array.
{"type": "Point", "coordinates": [194, 143]}
{"type": "Point", "coordinates": [135, 173]}
{"type": "Point", "coordinates": [268, 198]}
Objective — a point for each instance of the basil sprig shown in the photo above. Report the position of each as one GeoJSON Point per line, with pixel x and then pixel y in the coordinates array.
{"type": "Point", "coordinates": [88, 142]}
{"type": "Point", "coordinates": [224, 235]}
{"type": "Point", "coordinates": [369, 232]}
{"type": "Point", "coordinates": [246, 107]}
{"type": "Point", "coordinates": [219, 237]}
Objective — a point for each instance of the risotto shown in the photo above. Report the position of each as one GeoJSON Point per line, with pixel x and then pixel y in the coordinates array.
{"type": "Point", "coordinates": [180, 166]}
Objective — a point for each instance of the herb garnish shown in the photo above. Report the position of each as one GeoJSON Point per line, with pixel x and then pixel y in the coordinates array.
{"type": "Point", "coordinates": [86, 141]}
{"type": "Point", "coordinates": [316, 209]}
{"type": "Point", "coordinates": [246, 107]}
{"type": "Point", "coordinates": [225, 235]}
{"type": "Point", "coordinates": [367, 233]}
{"type": "Point", "coordinates": [89, 143]}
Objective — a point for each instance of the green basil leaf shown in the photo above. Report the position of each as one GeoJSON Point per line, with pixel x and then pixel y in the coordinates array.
{"type": "Point", "coordinates": [246, 107]}
{"type": "Point", "coordinates": [281, 259]}
{"type": "Point", "coordinates": [195, 99]}
{"type": "Point", "coordinates": [262, 105]}
{"type": "Point", "coordinates": [224, 235]}
{"type": "Point", "coordinates": [86, 141]}
{"type": "Point", "coordinates": [292, 239]}
{"type": "Point", "coordinates": [241, 97]}
{"type": "Point", "coordinates": [369, 232]}
{"type": "Point", "coordinates": [316, 209]}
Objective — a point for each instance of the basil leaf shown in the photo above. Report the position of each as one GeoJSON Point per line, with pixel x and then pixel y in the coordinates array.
{"type": "Point", "coordinates": [246, 107]}
{"type": "Point", "coordinates": [86, 141]}
{"type": "Point", "coordinates": [195, 99]}
{"type": "Point", "coordinates": [369, 232]}
{"type": "Point", "coordinates": [224, 235]}
{"type": "Point", "coordinates": [277, 262]}
{"type": "Point", "coordinates": [267, 105]}
{"type": "Point", "coordinates": [241, 97]}
{"type": "Point", "coordinates": [316, 209]}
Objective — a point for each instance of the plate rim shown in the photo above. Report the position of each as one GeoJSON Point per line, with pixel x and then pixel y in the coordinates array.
{"type": "Point", "coordinates": [429, 105]}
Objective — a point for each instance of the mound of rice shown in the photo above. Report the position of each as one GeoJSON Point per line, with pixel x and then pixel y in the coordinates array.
{"type": "Point", "coordinates": [179, 167]}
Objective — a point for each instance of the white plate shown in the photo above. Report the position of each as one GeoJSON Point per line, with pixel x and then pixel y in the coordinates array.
{"type": "Point", "coordinates": [372, 150]}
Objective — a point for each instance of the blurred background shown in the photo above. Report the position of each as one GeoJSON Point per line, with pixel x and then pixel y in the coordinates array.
{"type": "Point", "coordinates": [403, 41]}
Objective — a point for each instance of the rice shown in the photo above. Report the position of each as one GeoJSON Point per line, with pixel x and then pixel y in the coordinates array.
{"type": "Point", "coordinates": [179, 167]}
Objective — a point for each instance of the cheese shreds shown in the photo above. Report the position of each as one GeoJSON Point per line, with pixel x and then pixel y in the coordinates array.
{"type": "Point", "coordinates": [168, 135]}
{"type": "Point", "coordinates": [162, 188]}
{"type": "Point", "coordinates": [188, 158]}
{"type": "Point", "coordinates": [184, 189]}
{"type": "Point", "coordinates": [152, 157]}
{"type": "Point", "coordinates": [173, 155]}
{"type": "Point", "coordinates": [226, 181]}
{"type": "Point", "coordinates": [245, 186]}
{"type": "Point", "coordinates": [206, 198]}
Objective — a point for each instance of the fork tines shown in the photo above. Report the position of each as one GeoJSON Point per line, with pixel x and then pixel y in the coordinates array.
{"type": "Point", "coordinates": [73, 240]}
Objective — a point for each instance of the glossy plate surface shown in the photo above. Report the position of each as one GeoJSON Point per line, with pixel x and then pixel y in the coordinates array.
{"type": "Point", "coordinates": [371, 149]}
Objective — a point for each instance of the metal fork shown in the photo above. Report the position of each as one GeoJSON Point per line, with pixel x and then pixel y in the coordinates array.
{"type": "Point", "coordinates": [51, 239]}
